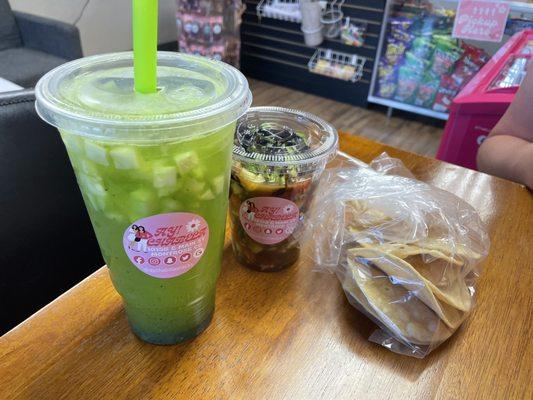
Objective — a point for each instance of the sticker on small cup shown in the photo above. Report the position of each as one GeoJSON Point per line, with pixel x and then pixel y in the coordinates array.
{"type": "Point", "coordinates": [166, 245]}
{"type": "Point", "coordinates": [269, 220]}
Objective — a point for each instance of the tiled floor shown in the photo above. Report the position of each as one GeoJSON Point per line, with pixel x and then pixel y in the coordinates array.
{"type": "Point", "coordinates": [399, 131]}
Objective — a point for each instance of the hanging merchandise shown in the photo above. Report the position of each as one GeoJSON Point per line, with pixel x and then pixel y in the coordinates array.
{"type": "Point", "coordinates": [286, 10]}
{"type": "Point", "coordinates": [311, 11]}
{"type": "Point", "coordinates": [210, 28]}
{"type": "Point", "coordinates": [332, 19]}
{"type": "Point", "coordinates": [353, 34]}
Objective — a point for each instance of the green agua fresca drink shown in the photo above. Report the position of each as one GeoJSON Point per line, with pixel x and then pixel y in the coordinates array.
{"type": "Point", "coordinates": [154, 172]}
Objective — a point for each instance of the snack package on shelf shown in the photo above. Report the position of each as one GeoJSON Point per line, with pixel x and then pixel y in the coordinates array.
{"type": "Point", "coordinates": [418, 47]}
{"type": "Point", "coordinates": [423, 47]}
{"type": "Point", "coordinates": [408, 80]}
{"type": "Point", "coordinates": [427, 90]}
{"type": "Point", "coordinates": [445, 94]}
{"type": "Point", "coordinates": [469, 64]}
{"type": "Point", "coordinates": [387, 78]}
{"type": "Point", "coordinates": [446, 53]}
{"type": "Point", "coordinates": [406, 253]}
{"type": "Point", "coordinates": [394, 51]}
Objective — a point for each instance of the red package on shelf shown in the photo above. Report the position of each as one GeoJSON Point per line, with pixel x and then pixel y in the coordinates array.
{"type": "Point", "coordinates": [447, 91]}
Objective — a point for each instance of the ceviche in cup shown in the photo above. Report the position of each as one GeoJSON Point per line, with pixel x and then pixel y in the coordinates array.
{"type": "Point", "coordinates": [278, 157]}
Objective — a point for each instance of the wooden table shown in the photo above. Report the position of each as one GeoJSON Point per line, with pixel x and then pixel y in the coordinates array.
{"type": "Point", "coordinates": [293, 335]}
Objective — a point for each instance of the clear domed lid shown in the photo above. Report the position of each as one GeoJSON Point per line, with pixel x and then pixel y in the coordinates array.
{"type": "Point", "coordinates": [95, 96]}
{"type": "Point", "coordinates": [278, 136]}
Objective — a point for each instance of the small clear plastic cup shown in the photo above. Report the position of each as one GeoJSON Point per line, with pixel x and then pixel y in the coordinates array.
{"type": "Point", "coordinates": [278, 157]}
{"type": "Point", "coordinates": [154, 172]}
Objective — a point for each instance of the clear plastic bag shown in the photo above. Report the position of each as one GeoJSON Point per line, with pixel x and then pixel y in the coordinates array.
{"type": "Point", "coordinates": [406, 253]}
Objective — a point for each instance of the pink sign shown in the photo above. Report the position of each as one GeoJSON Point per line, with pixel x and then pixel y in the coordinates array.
{"type": "Point", "coordinates": [483, 20]}
{"type": "Point", "coordinates": [269, 220]}
{"type": "Point", "coordinates": [166, 245]}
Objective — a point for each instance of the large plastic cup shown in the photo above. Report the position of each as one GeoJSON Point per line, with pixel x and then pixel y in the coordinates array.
{"type": "Point", "coordinates": [278, 157]}
{"type": "Point", "coordinates": [154, 172]}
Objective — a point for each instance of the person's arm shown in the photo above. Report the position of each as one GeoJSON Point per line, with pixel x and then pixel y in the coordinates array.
{"type": "Point", "coordinates": [508, 151]}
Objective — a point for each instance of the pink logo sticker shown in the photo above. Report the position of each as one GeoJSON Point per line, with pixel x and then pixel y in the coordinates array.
{"type": "Point", "coordinates": [481, 20]}
{"type": "Point", "coordinates": [269, 220]}
{"type": "Point", "coordinates": [166, 245]}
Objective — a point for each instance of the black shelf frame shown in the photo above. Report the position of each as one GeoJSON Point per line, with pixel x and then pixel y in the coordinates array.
{"type": "Point", "coordinates": [274, 51]}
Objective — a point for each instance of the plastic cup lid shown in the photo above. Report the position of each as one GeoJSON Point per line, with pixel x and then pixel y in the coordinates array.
{"type": "Point", "coordinates": [277, 136]}
{"type": "Point", "coordinates": [95, 97]}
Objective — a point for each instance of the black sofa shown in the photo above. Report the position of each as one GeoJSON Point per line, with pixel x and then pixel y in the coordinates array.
{"type": "Point", "coordinates": [30, 45]}
{"type": "Point", "coordinates": [47, 242]}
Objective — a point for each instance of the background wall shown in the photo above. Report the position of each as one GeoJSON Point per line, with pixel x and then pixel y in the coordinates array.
{"type": "Point", "coordinates": [104, 25]}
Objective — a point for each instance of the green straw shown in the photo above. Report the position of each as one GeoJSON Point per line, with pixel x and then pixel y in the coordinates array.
{"type": "Point", "coordinates": [145, 45]}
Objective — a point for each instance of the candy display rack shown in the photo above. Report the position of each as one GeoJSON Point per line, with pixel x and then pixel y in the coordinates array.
{"type": "Point", "coordinates": [277, 51]}
{"type": "Point", "coordinates": [432, 89]}
{"type": "Point", "coordinates": [335, 64]}
{"type": "Point", "coordinates": [285, 10]}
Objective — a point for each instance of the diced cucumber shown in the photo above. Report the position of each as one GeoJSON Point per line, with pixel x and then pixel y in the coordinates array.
{"type": "Point", "coordinates": [116, 216]}
{"type": "Point", "coordinates": [245, 175]}
{"type": "Point", "coordinates": [72, 142]}
{"type": "Point", "coordinates": [293, 172]}
{"type": "Point", "coordinates": [125, 158]}
{"type": "Point", "coordinates": [98, 202]}
{"type": "Point", "coordinates": [97, 188]}
{"type": "Point", "coordinates": [91, 185]}
{"type": "Point", "coordinates": [207, 195]}
{"type": "Point", "coordinates": [165, 177]}
{"type": "Point", "coordinates": [90, 168]}
{"type": "Point", "coordinates": [194, 186]}
{"type": "Point", "coordinates": [186, 162]}
{"type": "Point", "coordinates": [170, 205]}
{"type": "Point", "coordinates": [218, 184]}
{"type": "Point", "coordinates": [142, 203]}
{"type": "Point", "coordinates": [93, 201]}
{"type": "Point", "coordinates": [167, 190]}
{"type": "Point", "coordinates": [96, 153]}
{"type": "Point", "coordinates": [142, 195]}
{"type": "Point", "coordinates": [198, 173]}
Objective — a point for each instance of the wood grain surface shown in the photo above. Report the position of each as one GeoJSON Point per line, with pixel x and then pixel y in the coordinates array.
{"type": "Point", "coordinates": [293, 335]}
{"type": "Point", "coordinates": [416, 134]}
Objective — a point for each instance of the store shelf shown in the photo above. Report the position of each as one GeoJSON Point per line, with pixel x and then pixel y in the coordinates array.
{"type": "Point", "coordinates": [518, 10]}
{"type": "Point", "coordinates": [285, 10]}
{"type": "Point", "coordinates": [408, 107]}
{"type": "Point", "coordinates": [274, 50]}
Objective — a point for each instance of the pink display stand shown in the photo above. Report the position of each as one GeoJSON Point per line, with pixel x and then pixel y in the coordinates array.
{"type": "Point", "coordinates": [483, 101]}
